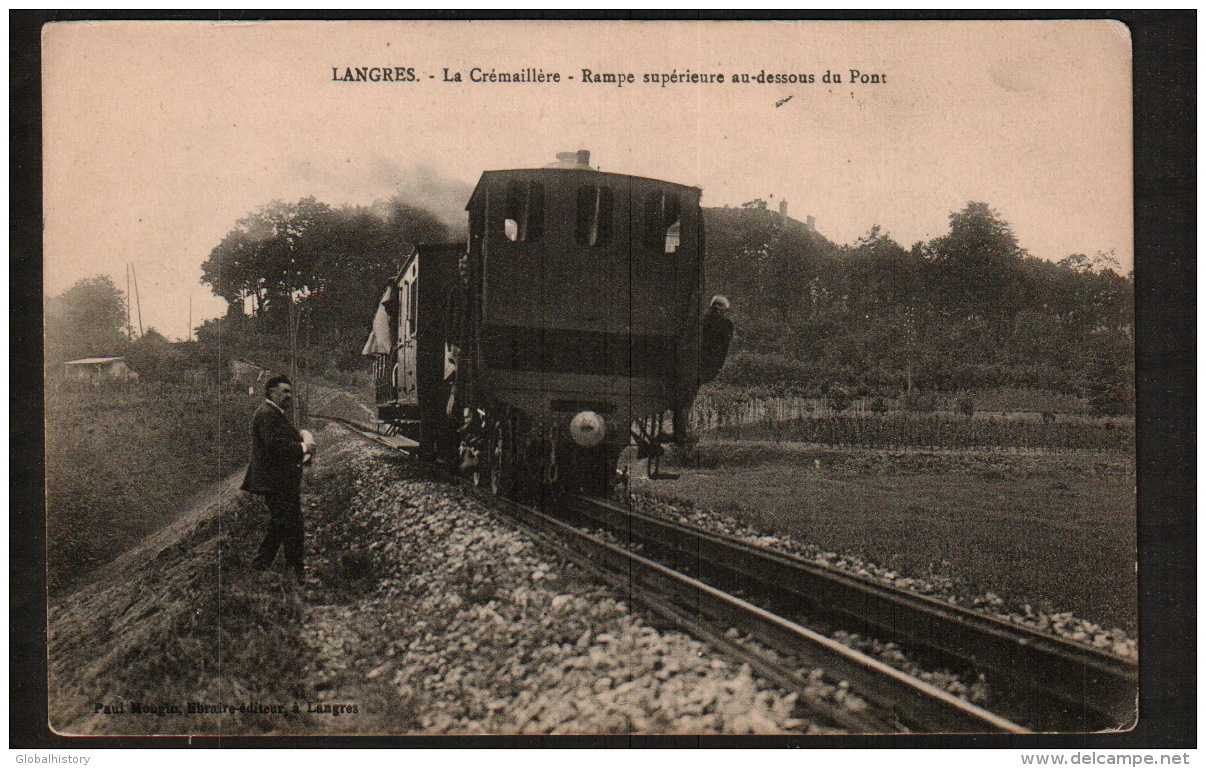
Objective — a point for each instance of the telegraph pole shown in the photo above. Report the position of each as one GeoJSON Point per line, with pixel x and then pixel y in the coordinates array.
{"type": "Point", "coordinates": [129, 328]}
{"type": "Point", "coordinates": [137, 298]}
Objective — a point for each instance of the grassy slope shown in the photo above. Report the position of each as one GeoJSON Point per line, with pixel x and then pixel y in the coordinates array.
{"type": "Point", "coordinates": [1058, 531]}
{"type": "Point", "coordinates": [122, 463]}
{"type": "Point", "coordinates": [178, 618]}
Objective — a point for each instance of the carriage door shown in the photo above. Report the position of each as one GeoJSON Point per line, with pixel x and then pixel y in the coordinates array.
{"type": "Point", "coordinates": [407, 317]}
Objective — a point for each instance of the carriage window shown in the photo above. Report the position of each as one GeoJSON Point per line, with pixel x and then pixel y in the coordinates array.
{"type": "Point", "coordinates": [663, 223]}
{"type": "Point", "coordinates": [523, 221]}
{"type": "Point", "coordinates": [594, 215]}
{"type": "Point", "coordinates": [411, 309]}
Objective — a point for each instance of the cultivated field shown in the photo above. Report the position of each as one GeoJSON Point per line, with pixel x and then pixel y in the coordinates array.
{"type": "Point", "coordinates": [879, 424]}
{"type": "Point", "coordinates": [1053, 529]}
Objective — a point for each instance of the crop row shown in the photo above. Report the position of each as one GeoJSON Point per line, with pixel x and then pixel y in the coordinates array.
{"type": "Point", "coordinates": [938, 431]}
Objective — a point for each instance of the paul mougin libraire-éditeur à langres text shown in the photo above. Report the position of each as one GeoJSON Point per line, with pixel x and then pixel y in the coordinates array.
{"type": "Point", "coordinates": [594, 77]}
{"type": "Point", "coordinates": [199, 708]}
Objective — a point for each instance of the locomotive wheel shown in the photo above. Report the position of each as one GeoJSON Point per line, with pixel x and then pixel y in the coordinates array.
{"type": "Point", "coordinates": [479, 473]}
{"type": "Point", "coordinates": [528, 468]}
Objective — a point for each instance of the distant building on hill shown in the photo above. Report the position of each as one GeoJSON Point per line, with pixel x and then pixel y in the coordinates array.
{"type": "Point", "coordinates": [242, 369]}
{"type": "Point", "coordinates": [809, 225]}
{"type": "Point", "coordinates": [244, 373]}
{"type": "Point", "coordinates": [100, 370]}
{"type": "Point", "coordinates": [759, 210]}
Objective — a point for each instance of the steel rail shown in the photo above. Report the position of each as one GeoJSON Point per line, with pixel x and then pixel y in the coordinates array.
{"type": "Point", "coordinates": [1093, 689]}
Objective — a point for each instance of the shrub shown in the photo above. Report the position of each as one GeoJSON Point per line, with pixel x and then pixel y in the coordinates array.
{"type": "Point", "coordinates": [966, 403]}
{"type": "Point", "coordinates": [918, 402]}
{"type": "Point", "coordinates": [839, 399]}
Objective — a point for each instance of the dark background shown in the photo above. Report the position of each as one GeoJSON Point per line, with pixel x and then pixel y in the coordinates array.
{"type": "Point", "coordinates": [1165, 48]}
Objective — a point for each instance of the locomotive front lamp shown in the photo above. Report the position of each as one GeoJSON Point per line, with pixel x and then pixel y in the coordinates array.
{"type": "Point", "coordinates": [587, 429]}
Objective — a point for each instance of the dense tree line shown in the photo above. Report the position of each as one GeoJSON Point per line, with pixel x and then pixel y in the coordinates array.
{"type": "Point", "coordinates": [968, 310]}
{"type": "Point", "coordinates": [311, 270]}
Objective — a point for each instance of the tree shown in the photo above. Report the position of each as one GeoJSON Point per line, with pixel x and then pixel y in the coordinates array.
{"type": "Point", "coordinates": [312, 272]}
{"type": "Point", "coordinates": [1102, 261]}
{"type": "Point", "coordinates": [154, 357]}
{"type": "Point", "coordinates": [977, 268]}
{"type": "Point", "coordinates": [1110, 373]}
{"type": "Point", "coordinates": [363, 247]}
{"type": "Point", "coordinates": [270, 256]}
{"type": "Point", "coordinates": [883, 276]}
{"type": "Point", "coordinates": [87, 320]}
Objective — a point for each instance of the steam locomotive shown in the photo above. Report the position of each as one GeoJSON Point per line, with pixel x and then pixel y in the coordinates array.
{"type": "Point", "coordinates": [565, 329]}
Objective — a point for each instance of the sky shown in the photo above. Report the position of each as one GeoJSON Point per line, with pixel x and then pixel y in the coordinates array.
{"type": "Point", "coordinates": [159, 136]}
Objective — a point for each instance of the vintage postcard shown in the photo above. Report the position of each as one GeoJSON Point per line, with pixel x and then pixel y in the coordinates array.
{"type": "Point", "coordinates": [589, 377]}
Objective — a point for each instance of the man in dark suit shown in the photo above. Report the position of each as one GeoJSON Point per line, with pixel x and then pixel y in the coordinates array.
{"type": "Point", "coordinates": [278, 451]}
{"type": "Point", "coordinates": [714, 335]}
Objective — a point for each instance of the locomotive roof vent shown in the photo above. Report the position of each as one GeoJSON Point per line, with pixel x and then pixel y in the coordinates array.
{"type": "Point", "coordinates": [579, 159]}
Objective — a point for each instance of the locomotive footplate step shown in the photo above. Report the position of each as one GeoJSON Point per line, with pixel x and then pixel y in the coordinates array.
{"type": "Point", "coordinates": [397, 441]}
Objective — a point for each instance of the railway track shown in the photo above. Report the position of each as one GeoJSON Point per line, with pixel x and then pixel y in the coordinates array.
{"type": "Point", "coordinates": [1054, 684]}
{"type": "Point", "coordinates": [898, 701]}
{"type": "Point", "coordinates": [700, 581]}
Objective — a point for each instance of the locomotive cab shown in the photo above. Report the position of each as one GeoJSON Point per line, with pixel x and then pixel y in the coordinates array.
{"type": "Point", "coordinates": [565, 328]}
{"type": "Point", "coordinates": [585, 287]}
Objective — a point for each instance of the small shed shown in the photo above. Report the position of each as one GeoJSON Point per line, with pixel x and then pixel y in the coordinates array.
{"type": "Point", "coordinates": [241, 369]}
{"type": "Point", "coordinates": [100, 370]}
{"type": "Point", "coordinates": [246, 374]}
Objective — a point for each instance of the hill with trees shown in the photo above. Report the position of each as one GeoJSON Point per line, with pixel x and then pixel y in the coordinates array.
{"type": "Point", "coordinates": [968, 310]}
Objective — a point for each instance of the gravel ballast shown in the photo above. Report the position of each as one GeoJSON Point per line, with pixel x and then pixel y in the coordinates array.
{"type": "Point", "coordinates": [426, 614]}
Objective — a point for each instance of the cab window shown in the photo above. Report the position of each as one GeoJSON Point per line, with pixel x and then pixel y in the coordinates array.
{"type": "Point", "coordinates": [594, 215]}
{"type": "Point", "coordinates": [523, 215]}
{"type": "Point", "coordinates": [663, 222]}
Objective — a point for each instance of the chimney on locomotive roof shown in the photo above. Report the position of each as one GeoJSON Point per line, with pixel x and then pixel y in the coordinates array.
{"type": "Point", "coordinates": [579, 159]}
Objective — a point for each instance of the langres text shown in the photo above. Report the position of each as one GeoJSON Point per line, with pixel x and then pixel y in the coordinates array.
{"type": "Point", "coordinates": [374, 74]}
